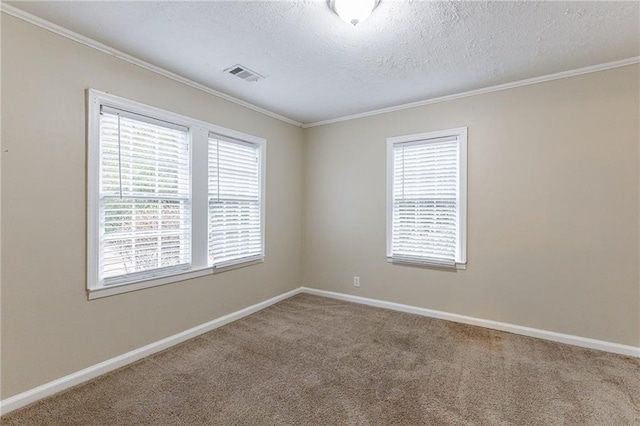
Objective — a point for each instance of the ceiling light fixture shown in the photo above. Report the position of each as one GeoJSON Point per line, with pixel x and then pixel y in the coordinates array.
{"type": "Point", "coordinates": [353, 11]}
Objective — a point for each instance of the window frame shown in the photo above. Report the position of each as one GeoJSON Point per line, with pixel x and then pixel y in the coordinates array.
{"type": "Point", "coordinates": [461, 252]}
{"type": "Point", "coordinates": [198, 135]}
{"type": "Point", "coordinates": [261, 205]}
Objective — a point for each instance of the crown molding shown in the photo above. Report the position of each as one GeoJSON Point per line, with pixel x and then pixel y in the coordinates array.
{"type": "Point", "coordinates": [57, 29]}
{"type": "Point", "coordinates": [512, 85]}
{"type": "Point", "coordinates": [42, 23]}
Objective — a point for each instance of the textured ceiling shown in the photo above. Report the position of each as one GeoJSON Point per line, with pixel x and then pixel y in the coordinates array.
{"type": "Point", "coordinates": [317, 67]}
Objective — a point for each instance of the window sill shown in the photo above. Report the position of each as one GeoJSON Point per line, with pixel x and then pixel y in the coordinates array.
{"type": "Point", "coordinates": [426, 263]}
{"type": "Point", "coordinates": [99, 292]}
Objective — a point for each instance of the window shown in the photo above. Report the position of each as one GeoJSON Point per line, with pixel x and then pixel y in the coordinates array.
{"type": "Point", "coordinates": [169, 197]}
{"type": "Point", "coordinates": [426, 198]}
{"type": "Point", "coordinates": [145, 197]}
{"type": "Point", "coordinates": [234, 201]}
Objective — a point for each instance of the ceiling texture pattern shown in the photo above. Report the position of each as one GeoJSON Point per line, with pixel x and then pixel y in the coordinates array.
{"type": "Point", "coordinates": [318, 67]}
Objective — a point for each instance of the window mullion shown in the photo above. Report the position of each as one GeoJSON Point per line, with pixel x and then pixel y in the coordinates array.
{"type": "Point", "coordinates": [199, 197]}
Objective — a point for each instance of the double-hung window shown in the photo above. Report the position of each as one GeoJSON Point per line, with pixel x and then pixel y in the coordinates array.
{"type": "Point", "coordinates": [426, 198]}
{"type": "Point", "coordinates": [145, 197]}
{"type": "Point", "coordinates": [234, 201]}
{"type": "Point", "coordinates": [169, 197]}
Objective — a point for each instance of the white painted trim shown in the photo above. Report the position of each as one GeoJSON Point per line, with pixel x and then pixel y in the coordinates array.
{"type": "Point", "coordinates": [584, 342]}
{"type": "Point", "coordinates": [460, 134]}
{"type": "Point", "coordinates": [111, 290]}
{"type": "Point", "coordinates": [66, 382]}
{"type": "Point", "coordinates": [105, 98]}
{"type": "Point", "coordinates": [94, 170]}
{"type": "Point", "coordinates": [199, 194]}
{"type": "Point", "coordinates": [512, 85]}
{"type": "Point", "coordinates": [25, 398]}
{"type": "Point", "coordinates": [198, 132]}
{"type": "Point", "coordinates": [57, 29]}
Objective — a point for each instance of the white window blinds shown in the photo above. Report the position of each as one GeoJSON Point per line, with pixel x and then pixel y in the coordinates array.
{"type": "Point", "coordinates": [425, 216]}
{"type": "Point", "coordinates": [235, 229]}
{"type": "Point", "coordinates": [145, 207]}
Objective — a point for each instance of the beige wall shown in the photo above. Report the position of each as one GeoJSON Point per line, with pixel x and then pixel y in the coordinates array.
{"type": "Point", "coordinates": [552, 207]}
{"type": "Point", "coordinates": [49, 329]}
{"type": "Point", "coordinates": [554, 235]}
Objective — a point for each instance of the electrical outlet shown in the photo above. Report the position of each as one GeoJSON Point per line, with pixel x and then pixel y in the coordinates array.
{"type": "Point", "coordinates": [356, 281]}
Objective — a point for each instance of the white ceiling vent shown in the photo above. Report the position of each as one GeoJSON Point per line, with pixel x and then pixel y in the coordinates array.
{"type": "Point", "coordinates": [244, 73]}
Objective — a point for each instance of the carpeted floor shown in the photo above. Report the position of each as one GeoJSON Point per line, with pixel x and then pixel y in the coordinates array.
{"type": "Point", "coordinates": [310, 360]}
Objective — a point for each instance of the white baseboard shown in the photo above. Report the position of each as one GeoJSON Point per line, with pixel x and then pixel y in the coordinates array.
{"type": "Point", "coordinates": [569, 339]}
{"type": "Point", "coordinates": [66, 382]}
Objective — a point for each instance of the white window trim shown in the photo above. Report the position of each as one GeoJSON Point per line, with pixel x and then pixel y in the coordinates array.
{"type": "Point", "coordinates": [198, 144]}
{"type": "Point", "coordinates": [461, 256]}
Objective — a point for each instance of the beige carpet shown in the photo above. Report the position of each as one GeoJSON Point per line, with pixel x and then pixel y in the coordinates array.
{"type": "Point", "coordinates": [311, 360]}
